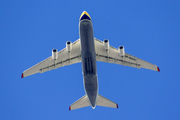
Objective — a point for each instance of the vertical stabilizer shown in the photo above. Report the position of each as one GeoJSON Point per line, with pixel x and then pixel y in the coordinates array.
{"type": "Point", "coordinates": [102, 101]}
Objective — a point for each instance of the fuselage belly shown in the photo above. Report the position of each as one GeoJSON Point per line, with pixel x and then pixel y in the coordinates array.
{"type": "Point", "coordinates": [88, 56]}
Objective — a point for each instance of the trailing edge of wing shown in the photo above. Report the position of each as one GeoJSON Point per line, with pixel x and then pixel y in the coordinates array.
{"type": "Point", "coordinates": [82, 102]}
{"type": "Point", "coordinates": [102, 101]}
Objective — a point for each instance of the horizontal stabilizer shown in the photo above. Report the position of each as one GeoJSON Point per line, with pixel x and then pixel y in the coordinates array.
{"type": "Point", "coordinates": [82, 102]}
{"type": "Point", "coordinates": [102, 101]}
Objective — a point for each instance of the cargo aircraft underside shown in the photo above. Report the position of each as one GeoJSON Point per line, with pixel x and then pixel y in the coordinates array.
{"type": "Point", "coordinates": [88, 50]}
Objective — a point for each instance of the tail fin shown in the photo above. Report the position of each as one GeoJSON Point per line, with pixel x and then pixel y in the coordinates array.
{"type": "Point", "coordinates": [102, 101]}
{"type": "Point", "coordinates": [82, 102]}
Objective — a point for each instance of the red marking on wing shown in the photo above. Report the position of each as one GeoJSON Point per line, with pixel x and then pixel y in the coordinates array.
{"type": "Point", "coordinates": [158, 69]}
{"type": "Point", "coordinates": [22, 75]}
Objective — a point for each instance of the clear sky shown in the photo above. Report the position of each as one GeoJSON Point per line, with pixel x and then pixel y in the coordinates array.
{"type": "Point", "coordinates": [149, 30]}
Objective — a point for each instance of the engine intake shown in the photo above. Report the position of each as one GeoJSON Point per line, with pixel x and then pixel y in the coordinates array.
{"type": "Point", "coordinates": [68, 46]}
{"type": "Point", "coordinates": [106, 44]}
{"type": "Point", "coordinates": [121, 50]}
{"type": "Point", "coordinates": [55, 54]}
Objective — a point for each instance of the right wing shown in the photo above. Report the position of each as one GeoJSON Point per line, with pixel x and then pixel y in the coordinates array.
{"type": "Point", "coordinates": [113, 56]}
{"type": "Point", "coordinates": [64, 58]}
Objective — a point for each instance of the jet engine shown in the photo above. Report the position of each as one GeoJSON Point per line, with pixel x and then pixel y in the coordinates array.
{"type": "Point", "coordinates": [55, 54]}
{"type": "Point", "coordinates": [121, 50]}
{"type": "Point", "coordinates": [68, 46]}
{"type": "Point", "coordinates": [106, 44]}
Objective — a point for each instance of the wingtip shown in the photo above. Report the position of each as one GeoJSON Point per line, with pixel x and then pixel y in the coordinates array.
{"type": "Point", "coordinates": [69, 108]}
{"type": "Point", "coordinates": [22, 75]}
{"type": "Point", "coordinates": [116, 105]}
{"type": "Point", "coordinates": [158, 69]}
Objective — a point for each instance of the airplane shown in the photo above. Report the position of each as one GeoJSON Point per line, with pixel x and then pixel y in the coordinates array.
{"type": "Point", "coordinates": [87, 50]}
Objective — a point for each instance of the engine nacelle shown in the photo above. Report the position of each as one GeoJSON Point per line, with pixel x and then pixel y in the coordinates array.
{"type": "Point", "coordinates": [121, 50]}
{"type": "Point", "coordinates": [106, 44]}
{"type": "Point", "coordinates": [55, 54]}
{"type": "Point", "coordinates": [68, 46]}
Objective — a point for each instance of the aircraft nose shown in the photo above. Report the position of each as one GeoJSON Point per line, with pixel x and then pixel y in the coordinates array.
{"type": "Point", "coordinates": [84, 15]}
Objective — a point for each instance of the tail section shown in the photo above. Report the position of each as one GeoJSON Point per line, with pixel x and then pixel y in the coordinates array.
{"type": "Point", "coordinates": [82, 102]}
{"type": "Point", "coordinates": [102, 101]}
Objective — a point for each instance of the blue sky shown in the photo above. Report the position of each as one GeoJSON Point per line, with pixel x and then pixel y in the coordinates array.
{"type": "Point", "coordinates": [150, 30]}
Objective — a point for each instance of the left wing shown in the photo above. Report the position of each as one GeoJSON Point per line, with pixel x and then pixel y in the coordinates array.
{"type": "Point", "coordinates": [112, 55]}
{"type": "Point", "coordinates": [64, 58]}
